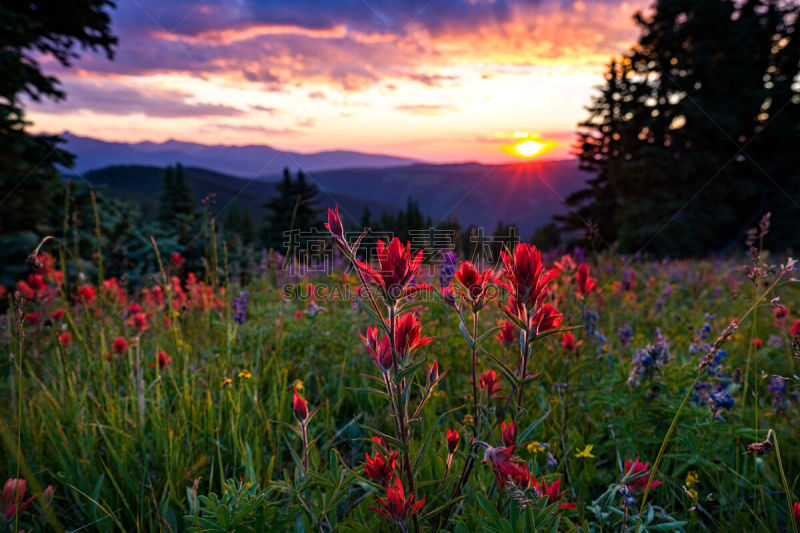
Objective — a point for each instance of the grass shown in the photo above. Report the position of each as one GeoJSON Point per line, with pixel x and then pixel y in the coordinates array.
{"type": "Point", "coordinates": [129, 445]}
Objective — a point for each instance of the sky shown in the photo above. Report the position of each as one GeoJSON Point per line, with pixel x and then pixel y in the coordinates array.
{"type": "Point", "coordinates": [434, 80]}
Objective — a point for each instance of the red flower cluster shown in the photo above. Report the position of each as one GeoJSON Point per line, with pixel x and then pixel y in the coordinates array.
{"type": "Point", "coordinates": [163, 359]}
{"type": "Point", "coordinates": [568, 342]}
{"type": "Point", "coordinates": [490, 382]}
{"type": "Point", "coordinates": [119, 345]}
{"type": "Point", "coordinates": [507, 467]}
{"type": "Point", "coordinates": [477, 284]}
{"type": "Point", "coordinates": [507, 334]}
{"type": "Point", "coordinates": [509, 432]}
{"type": "Point", "coordinates": [586, 283]}
{"type": "Point", "coordinates": [396, 271]}
{"type": "Point", "coordinates": [642, 470]}
{"type": "Point", "coordinates": [551, 492]}
{"type": "Point", "coordinates": [12, 499]}
{"type": "Point", "coordinates": [382, 466]}
{"type": "Point", "coordinates": [452, 438]}
{"type": "Point", "coordinates": [299, 406]}
{"type": "Point", "coordinates": [396, 507]}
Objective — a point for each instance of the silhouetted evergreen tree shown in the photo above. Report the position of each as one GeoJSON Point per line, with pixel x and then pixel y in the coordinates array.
{"type": "Point", "coordinates": [691, 138]}
{"type": "Point", "coordinates": [31, 192]}
{"type": "Point", "coordinates": [293, 208]}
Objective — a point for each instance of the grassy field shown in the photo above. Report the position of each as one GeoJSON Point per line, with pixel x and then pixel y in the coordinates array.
{"type": "Point", "coordinates": [190, 404]}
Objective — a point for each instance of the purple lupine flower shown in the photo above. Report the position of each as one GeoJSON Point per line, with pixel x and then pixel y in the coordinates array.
{"type": "Point", "coordinates": [449, 261]}
{"type": "Point", "coordinates": [240, 307]}
{"type": "Point", "coordinates": [625, 334]}
{"type": "Point", "coordinates": [646, 360]}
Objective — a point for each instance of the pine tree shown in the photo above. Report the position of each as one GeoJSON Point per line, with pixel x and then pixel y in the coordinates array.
{"type": "Point", "coordinates": [690, 140]}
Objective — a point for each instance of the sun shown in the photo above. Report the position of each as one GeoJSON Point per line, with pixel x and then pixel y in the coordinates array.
{"type": "Point", "coordinates": [529, 146]}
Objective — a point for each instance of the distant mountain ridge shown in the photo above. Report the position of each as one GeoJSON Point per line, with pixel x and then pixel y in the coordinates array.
{"type": "Point", "coordinates": [243, 161]}
{"type": "Point", "coordinates": [527, 194]}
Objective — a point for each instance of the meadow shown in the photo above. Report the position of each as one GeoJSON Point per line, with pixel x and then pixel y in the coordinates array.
{"type": "Point", "coordinates": [568, 391]}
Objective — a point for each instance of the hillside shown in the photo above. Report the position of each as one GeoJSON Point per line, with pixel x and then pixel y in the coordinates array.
{"type": "Point", "coordinates": [527, 194]}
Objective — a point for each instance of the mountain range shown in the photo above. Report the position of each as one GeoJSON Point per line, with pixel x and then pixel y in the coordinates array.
{"type": "Point", "coordinates": [527, 194]}
{"type": "Point", "coordinates": [245, 161]}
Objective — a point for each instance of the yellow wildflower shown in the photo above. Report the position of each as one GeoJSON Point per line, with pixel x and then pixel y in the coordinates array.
{"type": "Point", "coordinates": [468, 419]}
{"type": "Point", "coordinates": [536, 447]}
{"type": "Point", "coordinates": [226, 382]}
{"type": "Point", "coordinates": [691, 478]}
{"type": "Point", "coordinates": [298, 385]}
{"type": "Point", "coordinates": [692, 494]}
{"type": "Point", "coordinates": [244, 374]}
{"type": "Point", "coordinates": [585, 453]}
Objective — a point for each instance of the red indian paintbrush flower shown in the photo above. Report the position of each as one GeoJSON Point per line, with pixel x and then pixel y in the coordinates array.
{"type": "Point", "coordinates": [568, 342]}
{"type": "Point", "coordinates": [476, 283]}
{"type": "Point", "coordinates": [11, 501]}
{"type": "Point", "coordinates": [65, 339]}
{"type": "Point", "coordinates": [544, 319]}
{"type": "Point", "coordinates": [490, 381]}
{"type": "Point", "coordinates": [119, 345]}
{"type": "Point", "coordinates": [381, 351]}
{"type": "Point", "coordinates": [407, 335]}
{"type": "Point", "coordinates": [299, 406]}
{"type": "Point", "coordinates": [796, 513]}
{"type": "Point", "coordinates": [509, 432]}
{"type": "Point", "coordinates": [508, 334]}
{"type": "Point", "coordinates": [381, 469]}
{"type": "Point", "coordinates": [397, 270]}
{"type": "Point", "coordinates": [551, 492]}
{"type": "Point", "coordinates": [395, 506]}
{"type": "Point", "coordinates": [642, 470]}
{"type": "Point", "coordinates": [525, 277]}
{"type": "Point", "coordinates": [334, 225]}
{"type": "Point", "coordinates": [507, 467]}
{"type": "Point", "coordinates": [85, 295]}
{"type": "Point", "coordinates": [139, 322]}
{"type": "Point", "coordinates": [585, 282]}
{"type": "Point", "coordinates": [452, 437]}
{"type": "Point", "coordinates": [163, 359]}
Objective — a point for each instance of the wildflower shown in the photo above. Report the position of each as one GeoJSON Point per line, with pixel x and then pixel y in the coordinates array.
{"type": "Point", "coordinates": [796, 513]}
{"type": "Point", "coordinates": [506, 466]}
{"type": "Point", "coordinates": [58, 314]}
{"type": "Point", "coordinates": [551, 492]}
{"type": "Point", "coordinates": [490, 382]}
{"type": "Point", "coordinates": [476, 283]}
{"type": "Point", "coordinates": [239, 306]}
{"type": "Point", "coordinates": [65, 339]}
{"type": "Point", "coordinates": [545, 318]}
{"type": "Point", "coordinates": [448, 270]}
{"type": "Point", "coordinates": [381, 469]}
{"type": "Point", "coordinates": [507, 334]}
{"type": "Point", "coordinates": [433, 374]}
{"type": "Point", "coordinates": [381, 351]}
{"type": "Point", "coordinates": [566, 264]}
{"type": "Point", "coordinates": [625, 334]}
{"type": "Point", "coordinates": [177, 260]}
{"type": "Point", "coordinates": [448, 295]}
{"type": "Point", "coordinates": [139, 322]}
{"type": "Point", "coordinates": [525, 276]}
{"type": "Point", "coordinates": [509, 432]}
{"type": "Point", "coordinates": [692, 493]}
{"type": "Point", "coordinates": [468, 420]}
{"type": "Point", "coordinates": [641, 472]}
{"type": "Point", "coordinates": [759, 448]}
{"type": "Point", "coordinates": [536, 446]}
{"type": "Point", "coordinates": [119, 345]}
{"type": "Point", "coordinates": [395, 506]}
{"type": "Point", "coordinates": [691, 478]}
{"type": "Point", "coordinates": [407, 335]}
{"type": "Point", "coordinates": [226, 382]}
{"type": "Point", "coordinates": [299, 407]}
{"type": "Point", "coordinates": [568, 342]}
{"type": "Point", "coordinates": [334, 225]}
{"type": "Point", "coordinates": [779, 311]}
{"type": "Point", "coordinates": [648, 359]}
{"type": "Point", "coordinates": [757, 343]}
{"type": "Point", "coordinates": [244, 374]}
{"type": "Point", "coordinates": [397, 269]}
{"type": "Point", "coordinates": [585, 453]}
{"type": "Point", "coordinates": [452, 438]}
{"type": "Point", "coordinates": [586, 283]}
{"type": "Point", "coordinates": [552, 462]}
{"type": "Point", "coordinates": [627, 497]}
{"type": "Point", "coordinates": [85, 295]}
{"type": "Point", "coordinates": [11, 499]}
{"type": "Point", "coordinates": [163, 359]}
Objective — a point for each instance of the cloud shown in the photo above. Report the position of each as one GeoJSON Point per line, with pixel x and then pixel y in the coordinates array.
{"type": "Point", "coordinates": [254, 128]}
{"type": "Point", "coordinates": [108, 97]}
{"type": "Point", "coordinates": [354, 45]}
{"type": "Point", "coordinates": [426, 109]}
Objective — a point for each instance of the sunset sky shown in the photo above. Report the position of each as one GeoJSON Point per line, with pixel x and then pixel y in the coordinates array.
{"type": "Point", "coordinates": [436, 80]}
